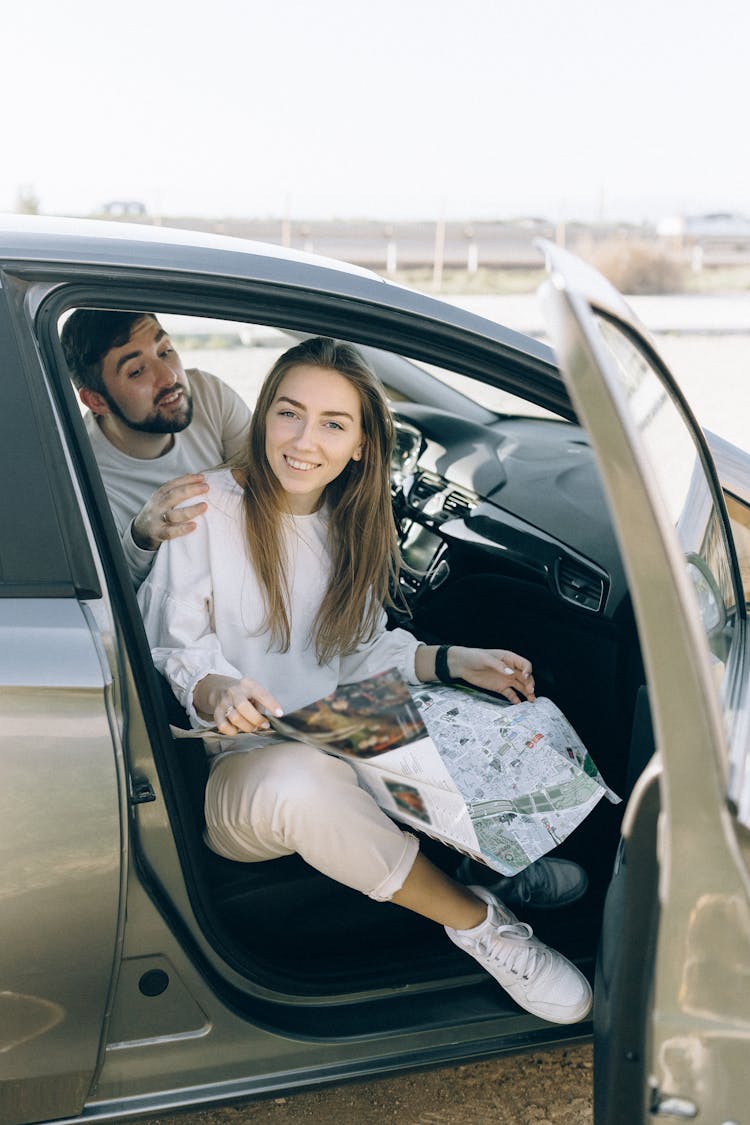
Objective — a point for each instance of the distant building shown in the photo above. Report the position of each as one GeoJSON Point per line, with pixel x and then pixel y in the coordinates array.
{"type": "Point", "coordinates": [717, 226]}
{"type": "Point", "coordinates": [124, 209]}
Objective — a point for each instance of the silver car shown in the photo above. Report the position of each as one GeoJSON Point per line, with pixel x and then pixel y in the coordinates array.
{"type": "Point", "coordinates": [561, 504]}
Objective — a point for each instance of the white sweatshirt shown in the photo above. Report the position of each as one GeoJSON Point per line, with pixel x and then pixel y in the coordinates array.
{"type": "Point", "coordinates": [203, 610]}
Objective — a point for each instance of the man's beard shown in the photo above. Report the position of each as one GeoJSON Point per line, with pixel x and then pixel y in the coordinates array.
{"type": "Point", "coordinates": [156, 424]}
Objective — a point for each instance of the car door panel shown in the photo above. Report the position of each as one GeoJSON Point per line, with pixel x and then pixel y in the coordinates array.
{"type": "Point", "coordinates": [61, 858]}
{"type": "Point", "coordinates": [698, 1007]}
{"type": "Point", "coordinates": [623, 985]}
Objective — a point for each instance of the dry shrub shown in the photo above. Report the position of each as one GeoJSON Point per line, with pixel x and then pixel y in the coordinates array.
{"type": "Point", "coordinates": [634, 265]}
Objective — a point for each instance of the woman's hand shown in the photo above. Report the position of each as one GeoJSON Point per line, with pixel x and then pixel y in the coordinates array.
{"type": "Point", "coordinates": [234, 705]}
{"type": "Point", "coordinates": [495, 669]}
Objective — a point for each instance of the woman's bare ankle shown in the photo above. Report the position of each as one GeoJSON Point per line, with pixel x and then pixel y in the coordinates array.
{"type": "Point", "coordinates": [429, 891]}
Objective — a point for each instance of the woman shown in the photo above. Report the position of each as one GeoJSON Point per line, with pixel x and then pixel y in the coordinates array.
{"type": "Point", "coordinates": [275, 599]}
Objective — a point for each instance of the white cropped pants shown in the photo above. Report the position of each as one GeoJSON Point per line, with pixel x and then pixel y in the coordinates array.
{"type": "Point", "coordinates": [286, 797]}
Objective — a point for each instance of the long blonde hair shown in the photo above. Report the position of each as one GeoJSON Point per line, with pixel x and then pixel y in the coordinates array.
{"type": "Point", "coordinates": [361, 530]}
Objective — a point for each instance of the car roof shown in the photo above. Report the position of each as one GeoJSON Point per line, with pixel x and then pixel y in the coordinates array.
{"type": "Point", "coordinates": [34, 242]}
{"type": "Point", "coordinates": [49, 238]}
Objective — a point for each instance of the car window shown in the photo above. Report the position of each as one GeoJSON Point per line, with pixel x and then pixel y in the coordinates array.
{"type": "Point", "coordinates": [677, 471]}
{"type": "Point", "coordinates": [239, 353]}
{"type": "Point", "coordinates": [493, 398]}
{"type": "Point", "coordinates": [242, 354]}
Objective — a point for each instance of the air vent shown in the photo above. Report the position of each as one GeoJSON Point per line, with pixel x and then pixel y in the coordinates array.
{"type": "Point", "coordinates": [424, 487]}
{"type": "Point", "coordinates": [458, 504]}
{"type": "Point", "coordinates": [577, 584]}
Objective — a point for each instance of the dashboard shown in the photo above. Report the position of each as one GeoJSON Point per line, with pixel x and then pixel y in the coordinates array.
{"type": "Point", "coordinates": [517, 496]}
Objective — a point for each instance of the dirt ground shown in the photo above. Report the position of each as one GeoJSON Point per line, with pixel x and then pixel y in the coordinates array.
{"type": "Point", "coordinates": [545, 1088]}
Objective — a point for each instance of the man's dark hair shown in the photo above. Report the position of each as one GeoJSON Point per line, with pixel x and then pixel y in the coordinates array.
{"type": "Point", "coordinates": [87, 336]}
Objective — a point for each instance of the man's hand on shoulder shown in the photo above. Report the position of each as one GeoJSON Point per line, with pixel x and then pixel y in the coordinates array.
{"type": "Point", "coordinates": [162, 518]}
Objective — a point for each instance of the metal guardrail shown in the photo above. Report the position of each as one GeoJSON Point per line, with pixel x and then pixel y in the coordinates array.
{"type": "Point", "coordinates": [452, 245]}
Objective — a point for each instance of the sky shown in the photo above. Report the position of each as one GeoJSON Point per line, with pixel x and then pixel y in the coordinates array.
{"type": "Point", "coordinates": [385, 109]}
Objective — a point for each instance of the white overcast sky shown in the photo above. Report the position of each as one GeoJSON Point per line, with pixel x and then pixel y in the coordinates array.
{"type": "Point", "coordinates": [378, 108]}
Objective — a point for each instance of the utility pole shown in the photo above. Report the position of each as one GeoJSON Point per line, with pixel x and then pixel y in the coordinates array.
{"type": "Point", "coordinates": [437, 268]}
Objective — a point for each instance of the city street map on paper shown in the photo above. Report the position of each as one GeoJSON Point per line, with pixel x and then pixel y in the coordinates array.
{"type": "Point", "coordinates": [502, 783]}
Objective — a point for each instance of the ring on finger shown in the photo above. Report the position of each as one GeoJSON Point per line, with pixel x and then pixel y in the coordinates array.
{"type": "Point", "coordinates": [164, 517]}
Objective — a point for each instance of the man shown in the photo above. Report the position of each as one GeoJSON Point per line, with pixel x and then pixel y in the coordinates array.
{"type": "Point", "coordinates": [153, 426]}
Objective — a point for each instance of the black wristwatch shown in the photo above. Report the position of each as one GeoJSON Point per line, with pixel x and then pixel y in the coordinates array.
{"type": "Point", "coordinates": [441, 665]}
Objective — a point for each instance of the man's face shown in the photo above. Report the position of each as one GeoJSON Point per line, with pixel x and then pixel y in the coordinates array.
{"type": "Point", "coordinates": [145, 384]}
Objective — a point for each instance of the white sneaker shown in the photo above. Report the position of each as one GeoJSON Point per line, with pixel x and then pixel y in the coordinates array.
{"type": "Point", "coordinates": [544, 885]}
{"type": "Point", "coordinates": [538, 978]}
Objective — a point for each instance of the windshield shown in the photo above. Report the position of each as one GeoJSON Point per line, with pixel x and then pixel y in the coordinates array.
{"type": "Point", "coordinates": [492, 398]}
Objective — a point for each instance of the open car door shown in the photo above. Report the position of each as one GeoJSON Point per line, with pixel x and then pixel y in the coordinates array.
{"type": "Point", "coordinates": [672, 1015]}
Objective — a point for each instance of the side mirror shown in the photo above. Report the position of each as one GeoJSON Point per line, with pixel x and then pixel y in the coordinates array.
{"type": "Point", "coordinates": [712, 609]}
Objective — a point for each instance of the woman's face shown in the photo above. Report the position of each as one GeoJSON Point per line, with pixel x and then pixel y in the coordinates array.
{"type": "Point", "coordinates": [313, 431]}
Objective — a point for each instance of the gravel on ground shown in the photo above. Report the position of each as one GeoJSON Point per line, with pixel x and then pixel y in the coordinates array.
{"type": "Point", "coordinates": [552, 1087]}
